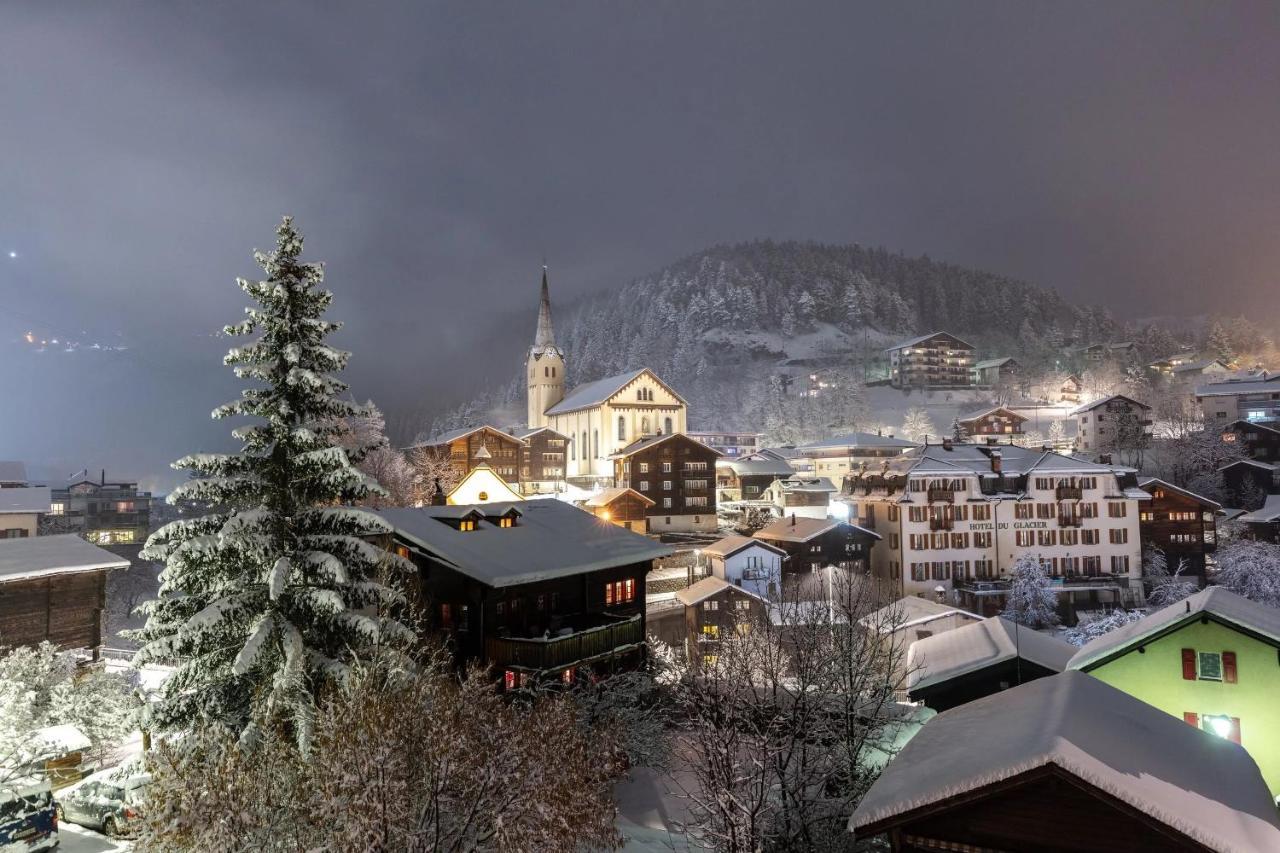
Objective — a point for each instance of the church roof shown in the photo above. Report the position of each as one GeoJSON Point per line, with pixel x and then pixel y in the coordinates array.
{"type": "Point", "coordinates": [544, 339]}
{"type": "Point", "coordinates": [596, 393]}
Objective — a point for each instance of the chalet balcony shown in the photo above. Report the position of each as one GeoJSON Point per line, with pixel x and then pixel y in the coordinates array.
{"type": "Point", "coordinates": [1070, 520]}
{"type": "Point", "coordinates": [1069, 493]}
{"type": "Point", "coordinates": [942, 495]}
{"type": "Point", "coordinates": [583, 642]}
{"type": "Point", "coordinates": [941, 524]}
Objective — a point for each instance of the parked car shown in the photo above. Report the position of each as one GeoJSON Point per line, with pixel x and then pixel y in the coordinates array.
{"type": "Point", "coordinates": [109, 801]}
{"type": "Point", "coordinates": [28, 819]}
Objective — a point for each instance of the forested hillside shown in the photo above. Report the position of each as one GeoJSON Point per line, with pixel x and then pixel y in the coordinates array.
{"type": "Point", "coordinates": [724, 325]}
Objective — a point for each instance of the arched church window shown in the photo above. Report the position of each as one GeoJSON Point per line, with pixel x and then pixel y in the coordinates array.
{"type": "Point", "coordinates": [622, 428]}
{"type": "Point", "coordinates": [585, 447]}
{"type": "Point", "coordinates": [595, 443]}
{"type": "Point", "coordinates": [666, 427]}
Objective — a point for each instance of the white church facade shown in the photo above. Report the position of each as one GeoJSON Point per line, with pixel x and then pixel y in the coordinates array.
{"type": "Point", "coordinates": [601, 417]}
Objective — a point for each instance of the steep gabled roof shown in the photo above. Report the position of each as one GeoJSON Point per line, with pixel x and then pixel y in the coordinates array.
{"type": "Point", "coordinates": [1200, 785]}
{"type": "Point", "coordinates": [707, 587]}
{"type": "Point", "coordinates": [553, 539]}
{"type": "Point", "coordinates": [973, 416]}
{"type": "Point", "coordinates": [1269, 512]}
{"type": "Point", "coordinates": [1148, 481]}
{"type": "Point", "coordinates": [1247, 424]}
{"type": "Point", "coordinates": [729, 545]}
{"type": "Point", "coordinates": [608, 496]}
{"type": "Point", "coordinates": [597, 392]}
{"type": "Point", "coordinates": [988, 363]}
{"type": "Point", "coordinates": [801, 529]}
{"type": "Point", "coordinates": [1252, 463]}
{"type": "Point", "coordinates": [528, 432]}
{"type": "Point", "coordinates": [1088, 407]}
{"type": "Point", "coordinates": [1216, 603]}
{"type": "Point", "coordinates": [922, 338]}
{"type": "Point", "coordinates": [38, 556]}
{"type": "Point", "coordinates": [994, 640]}
{"type": "Point", "coordinates": [454, 435]}
{"type": "Point", "coordinates": [654, 440]}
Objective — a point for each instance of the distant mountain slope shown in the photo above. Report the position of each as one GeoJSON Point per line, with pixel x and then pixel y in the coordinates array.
{"type": "Point", "coordinates": [719, 324]}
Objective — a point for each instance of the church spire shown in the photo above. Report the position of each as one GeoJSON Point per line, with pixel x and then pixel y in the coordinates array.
{"type": "Point", "coordinates": [545, 338]}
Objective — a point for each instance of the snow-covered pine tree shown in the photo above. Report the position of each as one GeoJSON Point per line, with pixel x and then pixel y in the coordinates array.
{"type": "Point", "coordinates": [267, 599]}
{"type": "Point", "coordinates": [1030, 602]}
{"type": "Point", "coordinates": [958, 433]}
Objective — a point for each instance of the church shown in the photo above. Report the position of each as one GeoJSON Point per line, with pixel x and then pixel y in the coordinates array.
{"type": "Point", "coordinates": [600, 418]}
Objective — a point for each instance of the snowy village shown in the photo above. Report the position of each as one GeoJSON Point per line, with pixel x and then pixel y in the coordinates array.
{"type": "Point", "coordinates": [371, 479]}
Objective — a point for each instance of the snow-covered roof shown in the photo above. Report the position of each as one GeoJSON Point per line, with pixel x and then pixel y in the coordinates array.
{"type": "Point", "coordinates": [525, 433]}
{"type": "Point", "coordinates": [59, 740]}
{"type": "Point", "coordinates": [596, 393]}
{"type": "Point", "coordinates": [1216, 603]}
{"type": "Point", "coordinates": [707, 587]}
{"type": "Point", "coordinates": [805, 484]}
{"type": "Point", "coordinates": [649, 441]}
{"type": "Point", "coordinates": [1233, 387]}
{"type": "Point", "coordinates": [733, 543]}
{"type": "Point", "coordinates": [609, 495]}
{"type": "Point", "coordinates": [922, 338]}
{"type": "Point", "coordinates": [973, 416]}
{"type": "Point", "coordinates": [963, 458]}
{"type": "Point", "coordinates": [756, 466]}
{"type": "Point", "coordinates": [1147, 482]}
{"type": "Point", "coordinates": [38, 556]}
{"type": "Point", "coordinates": [454, 435]}
{"type": "Point", "coordinates": [1248, 424]}
{"type": "Point", "coordinates": [802, 529]}
{"type": "Point", "coordinates": [1253, 463]}
{"type": "Point", "coordinates": [12, 471]}
{"type": "Point", "coordinates": [1270, 511]}
{"type": "Point", "coordinates": [993, 362]}
{"type": "Point", "coordinates": [1193, 366]}
{"type": "Point", "coordinates": [25, 499]}
{"type": "Point", "coordinates": [1088, 407]}
{"type": "Point", "coordinates": [553, 539]}
{"type": "Point", "coordinates": [1201, 785]}
{"type": "Point", "coordinates": [994, 640]}
{"type": "Point", "coordinates": [858, 439]}
{"type": "Point", "coordinates": [908, 611]}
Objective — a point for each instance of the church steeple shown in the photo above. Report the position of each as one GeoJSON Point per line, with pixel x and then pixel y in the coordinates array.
{"type": "Point", "coordinates": [545, 368]}
{"type": "Point", "coordinates": [545, 338]}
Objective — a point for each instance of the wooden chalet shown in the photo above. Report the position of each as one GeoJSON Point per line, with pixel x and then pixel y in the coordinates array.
{"type": "Point", "coordinates": [1247, 480]}
{"type": "Point", "coordinates": [812, 544]}
{"type": "Point", "coordinates": [621, 506]}
{"type": "Point", "coordinates": [54, 588]}
{"type": "Point", "coordinates": [537, 589]}
{"type": "Point", "coordinates": [462, 448]}
{"type": "Point", "coordinates": [1180, 523]}
{"type": "Point", "coordinates": [542, 460]}
{"type": "Point", "coordinates": [1263, 523]}
{"type": "Point", "coordinates": [675, 472]}
{"type": "Point", "coordinates": [714, 610]}
{"type": "Point", "coordinates": [1259, 441]}
{"type": "Point", "coordinates": [746, 478]}
{"type": "Point", "coordinates": [995, 421]}
{"type": "Point", "coordinates": [1067, 764]}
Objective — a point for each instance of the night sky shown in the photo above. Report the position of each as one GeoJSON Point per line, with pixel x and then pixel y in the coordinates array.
{"type": "Point", "coordinates": [434, 154]}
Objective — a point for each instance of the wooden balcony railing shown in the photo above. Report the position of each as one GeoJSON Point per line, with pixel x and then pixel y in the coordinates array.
{"type": "Point", "coordinates": [943, 495]}
{"type": "Point", "coordinates": [1069, 493]}
{"type": "Point", "coordinates": [555, 652]}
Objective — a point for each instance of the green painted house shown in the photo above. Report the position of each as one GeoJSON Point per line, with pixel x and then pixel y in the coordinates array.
{"type": "Point", "coordinates": [1212, 660]}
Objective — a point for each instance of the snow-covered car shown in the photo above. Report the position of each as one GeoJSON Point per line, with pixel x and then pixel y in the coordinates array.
{"type": "Point", "coordinates": [28, 821]}
{"type": "Point", "coordinates": [110, 801]}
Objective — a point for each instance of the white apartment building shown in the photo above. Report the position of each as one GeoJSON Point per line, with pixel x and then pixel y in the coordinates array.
{"type": "Point", "coordinates": [957, 516]}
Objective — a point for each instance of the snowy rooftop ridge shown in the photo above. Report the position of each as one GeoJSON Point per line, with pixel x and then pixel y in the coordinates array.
{"type": "Point", "coordinates": [594, 393]}
{"type": "Point", "coordinates": [40, 556]}
{"type": "Point", "coordinates": [970, 648]}
{"type": "Point", "coordinates": [911, 610]}
{"type": "Point", "coordinates": [25, 499]}
{"type": "Point", "coordinates": [1270, 511]}
{"type": "Point", "coordinates": [1203, 786]}
{"type": "Point", "coordinates": [1214, 601]}
{"type": "Point", "coordinates": [12, 471]}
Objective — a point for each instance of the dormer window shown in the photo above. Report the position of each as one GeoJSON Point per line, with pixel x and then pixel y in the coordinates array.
{"type": "Point", "coordinates": [507, 521]}
{"type": "Point", "coordinates": [466, 525]}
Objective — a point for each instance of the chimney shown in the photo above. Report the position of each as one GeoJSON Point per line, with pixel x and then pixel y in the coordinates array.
{"type": "Point", "coordinates": [437, 497]}
{"type": "Point", "coordinates": [1046, 447]}
{"type": "Point", "coordinates": [793, 519]}
{"type": "Point", "coordinates": [946, 444]}
{"type": "Point", "coordinates": [992, 441]}
{"type": "Point", "coordinates": [104, 477]}
{"type": "Point", "coordinates": [880, 431]}
{"type": "Point", "coordinates": [1104, 458]}
{"type": "Point", "coordinates": [997, 461]}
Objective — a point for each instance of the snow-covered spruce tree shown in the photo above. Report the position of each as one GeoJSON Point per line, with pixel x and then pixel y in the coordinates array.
{"type": "Point", "coordinates": [270, 596]}
{"type": "Point", "coordinates": [1031, 602]}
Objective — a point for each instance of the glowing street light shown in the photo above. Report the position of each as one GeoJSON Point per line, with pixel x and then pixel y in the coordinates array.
{"type": "Point", "coordinates": [1220, 724]}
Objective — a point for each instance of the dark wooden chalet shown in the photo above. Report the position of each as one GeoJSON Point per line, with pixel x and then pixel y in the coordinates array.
{"type": "Point", "coordinates": [542, 460]}
{"type": "Point", "coordinates": [1247, 482]}
{"type": "Point", "coordinates": [979, 659]}
{"type": "Point", "coordinates": [1067, 764]}
{"type": "Point", "coordinates": [715, 609]}
{"type": "Point", "coordinates": [535, 589]}
{"type": "Point", "coordinates": [1259, 441]}
{"type": "Point", "coordinates": [675, 472]}
{"type": "Point", "coordinates": [1180, 523]}
{"type": "Point", "coordinates": [745, 479]}
{"type": "Point", "coordinates": [1263, 523]}
{"type": "Point", "coordinates": [462, 448]}
{"type": "Point", "coordinates": [623, 507]}
{"type": "Point", "coordinates": [54, 588]}
{"type": "Point", "coordinates": [813, 543]}
{"type": "Point", "coordinates": [995, 421]}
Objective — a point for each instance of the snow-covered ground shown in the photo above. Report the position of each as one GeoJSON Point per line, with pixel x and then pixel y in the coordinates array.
{"type": "Point", "coordinates": [78, 839]}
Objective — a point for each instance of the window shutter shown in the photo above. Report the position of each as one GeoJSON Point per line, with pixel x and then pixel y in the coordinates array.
{"type": "Point", "coordinates": [1229, 667]}
{"type": "Point", "coordinates": [1189, 664]}
{"type": "Point", "coordinates": [1191, 718]}
{"type": "Point", "coordinates": [1234, 736]}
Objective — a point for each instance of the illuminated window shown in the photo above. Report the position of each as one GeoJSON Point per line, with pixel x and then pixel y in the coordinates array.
{"type": "Point", "coordinates": [466, 525]}
{"type": "Point", "coordinates": [402, 551]}
{"type": "Point", "coordinates": [711, 631]}
{"type": "Point", "coordinates": [506, 521]}
{"type": "Point", "coordinates": [620, 592]}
